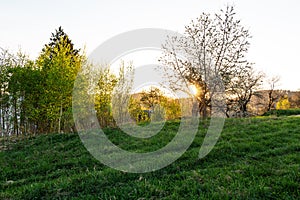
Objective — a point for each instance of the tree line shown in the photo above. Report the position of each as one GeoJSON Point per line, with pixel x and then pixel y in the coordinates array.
{"type": "Point", "coordinates": [36, 95]}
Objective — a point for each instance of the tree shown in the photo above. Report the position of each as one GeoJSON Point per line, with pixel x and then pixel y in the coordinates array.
{"type": "Point", "coordinates": [103, 94]}
{"type": "Point", "coordinates": [160, 106]}
{"type": "Point", "coordinates": [172, 108]}
{"type": "Point", "coordinates": [151, 97]}
{"type": "Point", "coordinates": [212, 46]}
{"type": "Point", "coordinates": [283, 103]}
{"type": "Point", "coordinates": [121, 94]}
{"type": "Point", "coordinates": [6, 62]}
{"type": "Point", "coordinates": [37, 95]}
{"type": "Point", "coordinates": [59, 62]}
{"type": "Point", "coordinates": [241, 89]}
{"type": "Point", "coordinates": [136, 111]}
{"type": "Point", "coordinates": [152, 100]}
{"type": "Point", "coordinates": [30, 81]}
{"type": "Point", "coordinates": [60, 43]}
{"type": "Point", "coordinates": [11, 97]}
{"type": "Point", "coordinates": [272, 94]}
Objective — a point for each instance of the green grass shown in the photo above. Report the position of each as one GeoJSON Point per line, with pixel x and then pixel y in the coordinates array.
{"type": "Point", "coordinates": [255, 158]}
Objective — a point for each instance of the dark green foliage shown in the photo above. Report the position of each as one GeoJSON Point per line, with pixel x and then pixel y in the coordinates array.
{"type": "Point", "coordinates": [58, 41]}
{"type": "Point", "coordinates": [283, 112]}
{"type": "Point", "coordinates": [255, 158]}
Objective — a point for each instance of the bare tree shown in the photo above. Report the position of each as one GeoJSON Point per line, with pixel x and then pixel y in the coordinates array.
{"type": "Point", "coordinates": [121, 94]}
{"type": "Point", "coordinates": [212, 46]}
{"type": "Point", "coordinates": [241, 89]}
{"type": "Point", "coordinates": [273, 95]}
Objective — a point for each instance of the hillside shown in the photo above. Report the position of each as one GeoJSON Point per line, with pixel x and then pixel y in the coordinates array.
{"type": "Point", "coordinates": [255, 158]}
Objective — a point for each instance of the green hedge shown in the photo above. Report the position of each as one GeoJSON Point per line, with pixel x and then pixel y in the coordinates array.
{"type": "Point", "coordinates": [283, 112]}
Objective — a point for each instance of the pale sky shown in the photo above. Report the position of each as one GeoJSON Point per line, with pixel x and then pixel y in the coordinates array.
{"type": "Point", "coordinates": [274, 25]}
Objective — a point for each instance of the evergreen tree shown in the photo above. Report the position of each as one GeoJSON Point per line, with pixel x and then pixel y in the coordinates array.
{"type": "Point", "coordinates": [59, 62]}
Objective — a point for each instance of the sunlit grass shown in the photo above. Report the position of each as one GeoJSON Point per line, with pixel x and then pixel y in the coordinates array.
{"type": "Point", "coordinates": [255, 158]}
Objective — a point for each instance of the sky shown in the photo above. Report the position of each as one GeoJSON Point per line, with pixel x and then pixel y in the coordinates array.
{"type": "Point", "coordinates": [274, 25]}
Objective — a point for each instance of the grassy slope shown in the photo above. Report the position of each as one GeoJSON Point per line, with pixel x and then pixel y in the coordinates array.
{"type": "Point", "coordinates": [254, 158]}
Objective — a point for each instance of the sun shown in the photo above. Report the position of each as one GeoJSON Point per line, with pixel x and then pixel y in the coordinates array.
{"type": "Point", "coordinates": [193, 89]}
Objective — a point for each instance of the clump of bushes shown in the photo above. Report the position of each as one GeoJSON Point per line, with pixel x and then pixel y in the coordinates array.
{"type": "Point", "coordinates": [283, 112]}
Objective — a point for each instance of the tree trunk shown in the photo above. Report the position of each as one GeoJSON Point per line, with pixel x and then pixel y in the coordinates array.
{"type": "Point", "coordinates": [60, 116]}
{"type": "Point", "coordinates": [203, 110]}
{"type": "Point", "coordinates": [270, 100]}
{"type": "Point", "coordinates": [16, 128]}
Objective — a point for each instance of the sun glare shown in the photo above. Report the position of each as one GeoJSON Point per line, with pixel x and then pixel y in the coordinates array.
{"type": "Point", "coordinates": [193, 89]}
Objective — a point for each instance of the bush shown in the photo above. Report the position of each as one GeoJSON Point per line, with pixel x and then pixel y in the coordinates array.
{"type": "Point", "coordinates": [283, 112]}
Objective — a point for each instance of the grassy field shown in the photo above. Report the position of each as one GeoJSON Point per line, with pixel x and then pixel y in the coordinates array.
{"type": "Point", "coordinates": [255, 158]}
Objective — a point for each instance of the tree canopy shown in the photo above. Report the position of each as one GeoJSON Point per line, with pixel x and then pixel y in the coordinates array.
{"type": "Point", "coordinates": [212, 45]}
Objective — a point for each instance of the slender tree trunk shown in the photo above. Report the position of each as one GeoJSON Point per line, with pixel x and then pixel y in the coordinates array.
{"type": "Point", "coordinates": [202, 110]}
{"type": "Point", "coordinates": [204, 115]}
{"type": "Point", "coordinates": [60, 116]}
{"type": "Point", "coordinates": [16, 128]}
{"type": "Point", "coordinates": [270, 100]}
{"type": "Point", "coordinates": [195, 109]}
{"type": "Point", "coordinates": [22, 116]}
